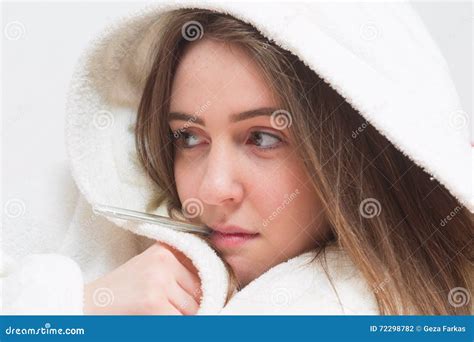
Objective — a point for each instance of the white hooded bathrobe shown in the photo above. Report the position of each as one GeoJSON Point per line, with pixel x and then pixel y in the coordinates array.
{"type": "Point", "coordinates": [379, 57]}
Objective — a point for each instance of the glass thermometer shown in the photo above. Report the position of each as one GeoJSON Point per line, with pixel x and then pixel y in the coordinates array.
{"type": "Point", "coordinates": [164, 221]}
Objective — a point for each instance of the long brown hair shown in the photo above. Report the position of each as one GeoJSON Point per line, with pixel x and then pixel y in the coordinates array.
{"type": "Point", "coordinates": [383, 209]}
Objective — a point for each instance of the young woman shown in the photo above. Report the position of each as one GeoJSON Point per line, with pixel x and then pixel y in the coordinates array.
{"type": "Point", "coordinates": [234, 131]}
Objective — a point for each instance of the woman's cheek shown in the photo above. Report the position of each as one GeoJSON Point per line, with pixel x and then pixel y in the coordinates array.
{"type": "Point", "coordinates": [271, 204]}
{"type": "Point", "coordinates": [184, 179]}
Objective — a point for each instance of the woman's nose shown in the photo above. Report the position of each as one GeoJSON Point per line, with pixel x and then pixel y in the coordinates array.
{"type": "Point", "coordinates": [221, 181]}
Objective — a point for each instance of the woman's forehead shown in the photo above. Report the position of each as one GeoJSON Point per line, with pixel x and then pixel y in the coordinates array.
{"type": "Point", "coordinates": [227, 78]}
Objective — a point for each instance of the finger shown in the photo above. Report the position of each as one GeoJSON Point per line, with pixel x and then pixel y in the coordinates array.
{"type": "Point", "coordinates": [195, 281]}
{"type": "Point", "coordinates": [188, 281]}
{"type": "Point", "coordinates": [185, 261]}
{"type": "Point", "coordinates": [182, 258]}
{"type": "Point", "coordinates": [186, 278]}
{"type": "Point", "coordinates": [182, 300]}
{"type": "Point", "coordinates": [169, 309]}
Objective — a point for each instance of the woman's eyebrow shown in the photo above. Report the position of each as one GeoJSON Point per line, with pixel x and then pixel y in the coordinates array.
{"type": "Point", "coordinates": [264, 111]}
{"type": "Point", "coordinates": [267, 111]}
{"type": "Point", "coordinates": [185, 117]}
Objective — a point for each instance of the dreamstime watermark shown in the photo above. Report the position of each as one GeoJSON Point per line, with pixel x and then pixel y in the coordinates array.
{"type": "Point", "coordinates": [46, 330]}
{"type": "Point", "coordinates": [381, 286]}
{"type": "Point", "coordinates": [369, 31]}
{"type": "Point", "coordinates": [459, 296]}
{"type": "Point", "coordinates": [103, 296]}
{"type": "Point", "coordinates": [288, 199]}
{"type": "Point", "coordinates": [359, 129]}
{"type": "Point", "coordinates": [103, 119]}
{"type": "Point", "coordinates": [14, 117]}
{"type": "Point", "coordinates": [281, 119]}
{"type": "Point", "coordinates": [14, 208]}
{"type": "Point", "coordinates": [192, 30]}
{"type": "Point", "coordinates": [192, 208]}
{"type": "Point", "coordinates": [458, 119]}
{"type": "Point", "coordinates": [370, 208]}
{"type": "Point", "coordinates": [177, 133]}
{"type": "Point", "coordinates": [375, 108]}
{"type": "Point", "coordinates": [197, 113]}
{"type": "Point", "coordinates": [266, 45]}
{"type": "Point", "coordinates": [451, 215]}
{"type": "Point", "coordinates": [280, 296]}
{"type": "Point", "coordinates": [14, 30]}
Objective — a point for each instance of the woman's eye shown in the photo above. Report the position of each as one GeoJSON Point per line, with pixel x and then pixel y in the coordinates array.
{"type": "Point", "coordinates": [265, 141]}
{"type": "Point", "coordinates": [186, 139]}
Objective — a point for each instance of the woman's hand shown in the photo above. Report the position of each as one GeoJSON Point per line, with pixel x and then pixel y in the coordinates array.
{"type": "Point", "coordinates": [159, 281]}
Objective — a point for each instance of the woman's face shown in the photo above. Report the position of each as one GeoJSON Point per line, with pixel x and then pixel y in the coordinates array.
{"type": "Point", "coordinates": [235, 167]}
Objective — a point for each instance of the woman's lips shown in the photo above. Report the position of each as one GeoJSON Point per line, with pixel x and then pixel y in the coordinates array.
{"type": "Point", "coordinates": [221, 240]}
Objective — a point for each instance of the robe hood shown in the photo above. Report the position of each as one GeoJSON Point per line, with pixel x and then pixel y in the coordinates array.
{"type": "Point", "coordinates": [379, 57]}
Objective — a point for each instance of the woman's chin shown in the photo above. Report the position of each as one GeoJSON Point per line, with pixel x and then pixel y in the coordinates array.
{"type": "Point", "coordinates": [245, 269]}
